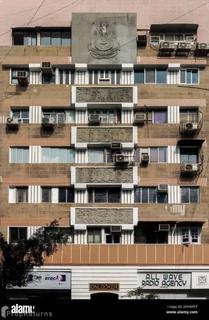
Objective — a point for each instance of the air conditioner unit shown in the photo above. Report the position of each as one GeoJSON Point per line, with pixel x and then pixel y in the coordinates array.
{"type": "Point", "coordinates": [184, 45]}
{"type": "Point", "coordinates": [94, 119]}
{"type": "Point", "coordinates": [189, 167]}
{"type": "Point", "coordinates": [164, 227]}
{"type": "Point", "coordinates": [121, 159]}
{"type": "Point", "coordinates": [46, 67]}
{"type": "Point", "coordinates": [162, 188]}
{"type": "Point", "coordinates": [48, 121]}
{"type": "Point", "coordinates": [167, 45]}
{"type": "Point", "coordinates": [22, 77]}
{"type": "Point", "coordinates": [190, 126]}
{"type": "Point", "coordinates": [202, 46]}
{"type": "Point", "coordinates": [115, 229]}
{"type": "Point", "coordinates": [139, 118]}
{"type": "Point", "coordinates": [144, 157]}
{"type": "Point", "coordinates": [116, 146]}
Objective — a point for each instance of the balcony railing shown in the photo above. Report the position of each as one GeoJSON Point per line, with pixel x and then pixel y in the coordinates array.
{"type": "Point", "coordinates": [137, 254]}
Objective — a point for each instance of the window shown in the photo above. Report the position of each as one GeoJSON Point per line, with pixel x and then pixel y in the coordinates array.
{"type": "Point", "coordinates": [24, 38]}
{"type": "Point", "coordinates": [149, 195]}
{"type": "Point", "coordinates": [189, 155]}
{"type": "Point", "coordinates": [19, 155]}
{"type": "Point", "coordinates": [94, 235]}
{"type": "Point", "coordinates": [58, 155]}
{"type": "Point", "coordinates": [158, 154]}
{"type": "Point", "coordinates": [48, 78]}
{"type": "Point", "coordinates": [108, 116]}
{"type": "Point", "coordinates": [21, 194]}
{"type": "Point", "coordinates": [190, 235]}
{"type": "Point", "coordinates": [14, 79]}
{"type": "Point", "coordinates": [58, 234]}
{"type": "Point", "coordinates": [139, 76]}
{"type": "Point", "coordinates": [17, 234]}
{"type": "Point", "coordinates": [161, 76]}
{"type": "Point", "coordinates": [46, 194]}
{"type": "Point", "coordinates": [150, 75]}
{"type": "Point", "coordinates": [21, 114]}
{"type": "Point", "coordinates": [159, 116]}
{"type": "Point", "coordinates": [189, 76]}
{"type": "Point", "coordinates": [60, 116]}
{"type": "Point", "coordinates": [190, 194]}
{"type": "Point", "coordinates": [55, 38]}
{"type": "Point", "coordinates": [189, 115]}
{"type": "Point", "coordinates": [112, 195]}
{"type": "Point", "coordinates": [66, 194]}
{"type": "Point", "coordinates": [95, 156]}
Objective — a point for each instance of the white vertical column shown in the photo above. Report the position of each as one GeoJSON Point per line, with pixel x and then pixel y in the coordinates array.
{"type": "Point", "coordinates": [127, 116]}
{"type": "Point", "coordinates": [174, 194]}
{"type": "Point", "coordinates": [80, 196]}
{"type": "Point", "coordinates": [35, 114]}
{"type": "Point", "coordinates": [34, 194]}
{"type": "Point", "coordinates": [173, 154]}
{"type": "Point", "coordinates": [55, 195]}
{"type": "Point", "coordinates": [81, 156]}
{"type": "Point", "coordinates": [34, 154]}
{"type": "Point", "coordinates": [57, 76]}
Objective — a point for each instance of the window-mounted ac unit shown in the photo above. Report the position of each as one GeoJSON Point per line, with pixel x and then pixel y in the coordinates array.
{"type": "Point", "coordinates": [46, 67]}
{"type": "Point", "coordinates": [121, 159]}
{"type": "Point", "coordinates": [190, 126]}
{"type": "Point", "coordinates": [115, 229]}
{"type": "Point", "coordinates": [144, 157]}
{"type": "Point", "coordinates": [162, 188]}
{"type": "Point", "coordinates": [202, 46]}
{"type": "Point", "coordinates": [189, 167]}
{"type": "Point", "coordinates": [22, 77]}
{"type": "Point", "coordinates": [164, 227]}
{"type": "Point", "coordinates": [48, 121]}
{"type": "Point", "coordinates": [184, 45]}
{"type": "Point", "coordinates": [94, 119]}
{"type": "Point", "coordinates": [116, 146]}
{"type": "Point", "coordinates": [167, 45]}
{"type": "Point", "coordinates": [139, 118]}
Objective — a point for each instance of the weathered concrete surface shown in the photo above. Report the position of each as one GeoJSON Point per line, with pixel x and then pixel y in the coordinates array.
{"type": "Point", "coordinates": [101, 135]}
{"type": "Point", "coordinates": [104, 216]}
{"type": "Point", "coordinates": [104, 175]}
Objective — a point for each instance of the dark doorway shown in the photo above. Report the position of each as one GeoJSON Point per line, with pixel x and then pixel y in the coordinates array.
{"type": "Point", "coordinates": [104, 296]}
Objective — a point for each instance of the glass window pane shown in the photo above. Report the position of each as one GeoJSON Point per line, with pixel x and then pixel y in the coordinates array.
{"type": "Point", "coordinates": [62, 194]}
{"type": "Point", "coordinates": [66, 39]}
{"type": "Point", "coordinates": [183, 76]}
{"type": "Point", "coordinates": [152, 195]}
{"type": "Point", "coordinates": [194, 76]}
{"type": "Point", "coordinates": [114, 195]}
{"type": "Point", "coordinates": [145, 198]}
{"type": "Point", "coordinates": [189, 78]}
{"type": "Point", "coordinates": [137, 194]}
{"type": "Point", "coordinates": [139, 76]}
{"type": "Point", "coordinates": [45, 39]}
{"type": "Point", "coordinates": [95, 156]}
{"type": "Point", "coordinates": [162, 197]}
{"type": "Point", "coordinates": [185, 195]}
{"type": "Point", "coordinates": [162, 154]}
{"type": "Point", "coordinates": [150, 76]}
{"type": "Point", "coordinates": [194, 195]}
{"type": "Point", "coordinates": [70, 195]}
{"type": "Point", "coordinates": [100, 195]}
{"type": "Point", "coordinates": [70, 116]}
{"type": "Point", "coordinates": [185, 235]}
{"type": "Point", "coordinates": [22, 194]}
{"type": "Point", "coordinates": [160, 116]}
{"type": "Point", "coordinates": [46, 194]}
{"type": "Point", "coordinates": [194, 235]}
{"type": "Point", "coordinates": [55, 38]}
{"type": "Point", "coordinates": [18, 37]}
{"type": "Point", "coordinates": [161, 76]}
{"type": "Point", "coordinates": [153, 154]}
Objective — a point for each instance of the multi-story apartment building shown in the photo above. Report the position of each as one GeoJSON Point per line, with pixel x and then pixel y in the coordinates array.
{"type": "Point", "coordinates": [104, 126]}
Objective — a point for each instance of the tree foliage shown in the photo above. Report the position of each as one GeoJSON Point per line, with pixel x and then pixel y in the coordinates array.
{"type": "Point", "coordinates": [17, 259]}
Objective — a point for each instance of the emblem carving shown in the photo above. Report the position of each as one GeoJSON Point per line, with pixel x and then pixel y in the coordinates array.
{"type": "Point", "coordinates": [104, 44]}
{"type": "Point", "coordinates": [202, 280]}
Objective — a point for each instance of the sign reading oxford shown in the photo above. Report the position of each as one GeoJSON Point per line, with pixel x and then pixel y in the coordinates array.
{"type": "Point", "coordinates": [165, 280]}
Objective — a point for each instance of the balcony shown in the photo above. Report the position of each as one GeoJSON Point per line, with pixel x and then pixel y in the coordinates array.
{"type": "Point", "coordinates": [141, 254]}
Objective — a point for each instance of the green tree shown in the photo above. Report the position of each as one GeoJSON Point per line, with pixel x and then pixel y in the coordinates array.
{"type": "Point", "coordinates": [19, 258]}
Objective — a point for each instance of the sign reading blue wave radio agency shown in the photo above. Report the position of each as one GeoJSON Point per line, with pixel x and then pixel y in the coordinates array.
{"type": "Point", "coordinates": [165, 280]}
{"type": "Point", "coordinates": [49, 280]}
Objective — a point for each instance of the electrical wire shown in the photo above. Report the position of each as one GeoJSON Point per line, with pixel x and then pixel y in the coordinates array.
{"type": "Point", "coordinates": [37, 10]}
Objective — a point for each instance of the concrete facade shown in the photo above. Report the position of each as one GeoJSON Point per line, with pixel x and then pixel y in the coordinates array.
{"type": "Point", "coordinates": [41, 164]}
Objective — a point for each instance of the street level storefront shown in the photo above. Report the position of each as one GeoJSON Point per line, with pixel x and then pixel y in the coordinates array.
{"type": "Point", "coordinates": [54, 283]}
{"type": "Point", "coordinates": [175, 284]}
